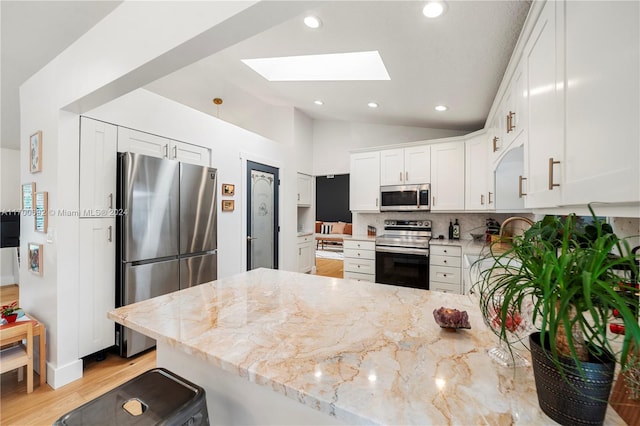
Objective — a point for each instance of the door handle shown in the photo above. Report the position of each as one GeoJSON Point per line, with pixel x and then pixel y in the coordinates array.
{"type": "Point", "coordinates": [482, 199]}
{"type": "Point", "coordinates": [111, 200]}
{"type": "Point", "coordinates": [551, 184]}
{"type": "Point", "coordinates": [495, 143]}
{"type": "Point", "coordinates": [175, 152]}
{"type": "Point", "coordinates": [166, 150]}
{"type": "Point", "coordinates": [520, 192]}
{"type": "Point", "coordinates": [250, 238]}
{"type": "Point", "coordinates": [406, 176]}
{"type": "Point", "coordinates": [110, 233]}
{"type": "Point", "coordinates": [490, 194]}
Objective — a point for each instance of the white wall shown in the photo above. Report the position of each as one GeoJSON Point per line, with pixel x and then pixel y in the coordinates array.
{"type": "Point", "coordinates": [231, 146]}
{"type": "Point", "coordinates": [332, 141]}
{"type": "Point", "coordinates": [9, 200]}
{"type": "Point", "coordinates": [136, 44]}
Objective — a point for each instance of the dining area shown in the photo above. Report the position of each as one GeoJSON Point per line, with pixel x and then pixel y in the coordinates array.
{"type": "Point", "coordinates": [22, 346]}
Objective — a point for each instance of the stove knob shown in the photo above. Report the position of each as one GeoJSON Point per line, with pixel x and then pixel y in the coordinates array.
{"type": "Point", "coordinates": [419, 223]}
{"type": "Point", "coordinates": [392, 222]}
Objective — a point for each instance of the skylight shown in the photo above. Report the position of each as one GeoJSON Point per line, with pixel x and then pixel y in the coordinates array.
{"type": "Point", "coordinates": [329, 67]}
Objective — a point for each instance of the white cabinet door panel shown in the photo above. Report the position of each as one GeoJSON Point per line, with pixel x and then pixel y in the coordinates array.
{"type": "Point", "coordinates": [364, 182]}
{"type": "Point", "coordinates": [98, 158]}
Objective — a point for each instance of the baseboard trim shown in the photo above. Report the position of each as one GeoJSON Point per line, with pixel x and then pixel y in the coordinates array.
{"type": "Point", "coordinates": [58, 377]}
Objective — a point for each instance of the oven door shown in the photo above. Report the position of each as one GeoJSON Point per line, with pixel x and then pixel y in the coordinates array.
{"type": "Point", "coordinates": [406, 267]}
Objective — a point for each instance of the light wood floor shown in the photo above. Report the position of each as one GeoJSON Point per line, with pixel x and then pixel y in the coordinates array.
{"type": "Point", "coordinates": [330, 268]}
{"type": "Point", "coordinates": [44, 405]}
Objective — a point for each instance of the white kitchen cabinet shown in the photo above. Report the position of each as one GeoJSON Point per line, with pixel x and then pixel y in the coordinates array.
{"type": "Point", "coordinates": [306, 253]}
{"type": "Point", "coordinates": [543, 60]}
{"type": "Point", "coordinates": [602, 136]}
{"type": "Point", "coordinates": [405, 165]}
{"type": "Point", "coordinates": [98, 165]}
{"type": "Point", "coordinates": [514, 113]}
{"type": "Point", "coordinates": [96, 290]}
{"type": "Point", "coordinates": [445, 270]}
{"type": "Point", "coordinates": [478, 192]}
{"type": "Point", "coordinates": [447, 176]}
{"type": "Point", "coordinates": [130, 140]}
{"type": "Point", "coordinates": [304, 190]}
{"type": "Point", "coordinates": [509, 181]}
{"type": "Point", "coordinates": [188, 153]}
{"type": "Point", "coordinates": [364, 182]}
{"type": "Point", "coordinates": [360, 260]}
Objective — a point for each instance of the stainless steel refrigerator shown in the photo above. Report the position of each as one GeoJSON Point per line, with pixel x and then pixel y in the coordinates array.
{"type": "Point", "coordinates": [166, 234]}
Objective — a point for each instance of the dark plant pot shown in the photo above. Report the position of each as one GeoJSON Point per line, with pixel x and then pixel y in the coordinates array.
{"type": "Point", "coordinates": [574, 399]}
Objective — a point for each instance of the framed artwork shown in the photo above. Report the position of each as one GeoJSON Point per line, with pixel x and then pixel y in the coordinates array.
{"type": "Point", "coordinates": [228, 189]}
{"type": "Point", "coordinates": [28, 190]}
{"type": "Point", "coordinates": [228, 205]}
{"type": "Point", "coordinates": [35, 152]}
{"type": "Point", "coordinates": [42, 207]}
{"type": "Point", "coordinates": [35, 258]}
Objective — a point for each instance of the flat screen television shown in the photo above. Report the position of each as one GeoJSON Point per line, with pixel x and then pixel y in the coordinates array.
{"type": "Point", "coordinates": [10, 229]}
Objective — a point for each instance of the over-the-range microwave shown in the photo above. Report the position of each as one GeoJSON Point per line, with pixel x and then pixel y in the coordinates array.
{"type": "Point", "coordinates": [396, 198]}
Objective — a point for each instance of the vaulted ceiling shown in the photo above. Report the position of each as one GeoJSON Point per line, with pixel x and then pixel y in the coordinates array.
{"type": "Point", "coordinates": [457, 59]}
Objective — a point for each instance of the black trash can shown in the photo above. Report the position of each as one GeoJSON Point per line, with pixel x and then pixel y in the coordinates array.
{"type": "Point", "coordinates": [157, 397]}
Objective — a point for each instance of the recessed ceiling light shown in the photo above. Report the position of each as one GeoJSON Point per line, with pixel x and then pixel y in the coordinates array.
{"type": "Point", "coordinates": [318, 102]}
{"type": "Point", "coordinates": [373, 105]}
{"type": "Point", "coordinates": [441, 108]}
{"type": "Point", "coordinates": [433, 9]}
{"type": "Point", "coordinates": [312, 22]}
{"type": "Point", "coordinates": [329, 67]}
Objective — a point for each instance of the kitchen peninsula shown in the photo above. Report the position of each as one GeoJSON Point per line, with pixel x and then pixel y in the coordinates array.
{"type": "Point", "coordinates": [276, 347]}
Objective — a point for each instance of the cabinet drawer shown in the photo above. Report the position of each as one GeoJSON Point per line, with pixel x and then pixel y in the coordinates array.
{"type": "Point", "coordinates": [359, 254]}
{"type": "Point", "coordinates": [359, 245]}
{"type": "Point", "coordinates": [452, 261]}
{"type": "Point", "coordinates": [445, 287]}
{"type": "Point", "coordinates": [436, 250]}
{"type": "Point", "coordinates": [305, 238]}
{"type": "Point", "coordinates": [444, 274]}
{"type": "Point", "coordinates": [360, 277]}
{"type": "Point", "coordinates": [363, 266]}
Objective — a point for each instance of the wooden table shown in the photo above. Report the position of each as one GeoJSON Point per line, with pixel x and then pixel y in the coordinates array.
{"type": "Point", "coordinates": [39, 332]}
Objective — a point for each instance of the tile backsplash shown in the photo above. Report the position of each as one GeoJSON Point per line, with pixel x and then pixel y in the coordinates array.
{"type": "Point", "coordinates": [469, 222]}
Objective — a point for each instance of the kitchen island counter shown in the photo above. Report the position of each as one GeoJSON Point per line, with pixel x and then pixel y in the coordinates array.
{"type": "Point", "coordinates": [327, 350]}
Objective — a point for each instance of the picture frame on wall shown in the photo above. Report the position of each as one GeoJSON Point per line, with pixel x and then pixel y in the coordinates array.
{"type": "Point", "coordinates": [28, 191]}
{"type": "Point", "coordinates": [42, 209]}
{"type": "Point", "coordinates": [35, 152]}
{"type": "Point", "coordinates": [228, 205]}
{"type": "Point", "coordinates": [228, 189]}
{"type": "Point", "coordinates": [35, 258]}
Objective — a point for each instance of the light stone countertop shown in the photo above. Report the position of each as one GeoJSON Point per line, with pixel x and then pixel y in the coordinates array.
{"type": "Point", "coordinates": [362, 352]}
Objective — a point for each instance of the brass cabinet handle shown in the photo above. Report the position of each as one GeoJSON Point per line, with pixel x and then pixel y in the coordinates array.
{"type": "Point", "coordinates": [520, 193]}
{"type": "Point", "coordinates": [495, 143]}
{"type": "Point", "coordinates": [511, 121]}
{"type": "Point", "coordinates": [551, 163]}
{"type": "Point", "coordinates": [482, 199]}
{"type": "Point", "coordinates": [508, 124]}
{"type": "Point", "coordinates": [490, 193]}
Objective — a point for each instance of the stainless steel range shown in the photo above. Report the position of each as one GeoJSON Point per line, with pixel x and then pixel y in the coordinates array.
{"type": "Point", "coordinates": [402, 253]}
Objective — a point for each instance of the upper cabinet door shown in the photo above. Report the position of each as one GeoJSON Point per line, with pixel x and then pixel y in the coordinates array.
{"type": "Point", "coordinates": [392, 167]}
{"type": "Point", "coordinates": [304, 190]}
{"type": "Point", "coordinates": [188, 153]}
{"type": "Point", "coordinates": [98, 159]}
{"type": "Point", "coordinates": [602, 145]}
{"type": "Point", "coordinates": [478, 193]}
{"type": "Point", "coordinates": [447, 176]}
{"type": "Point", "coordinates": [364, 182]}
{"type": "Point", "coordinates": [130, 140]}
{"type": "Point", "coordinates": [417, 164]}
{"type": "Point", "coordinates": [543, 59]}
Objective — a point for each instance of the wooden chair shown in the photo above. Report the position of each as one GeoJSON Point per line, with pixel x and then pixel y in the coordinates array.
{"type": "Point", "coordinates": [19, 355]}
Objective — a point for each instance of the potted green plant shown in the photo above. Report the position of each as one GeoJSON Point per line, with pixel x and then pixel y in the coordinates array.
{"type": "Point", "coordinates": [10, 311]}
{"type": "Point", "coordinates": [573, 278]}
